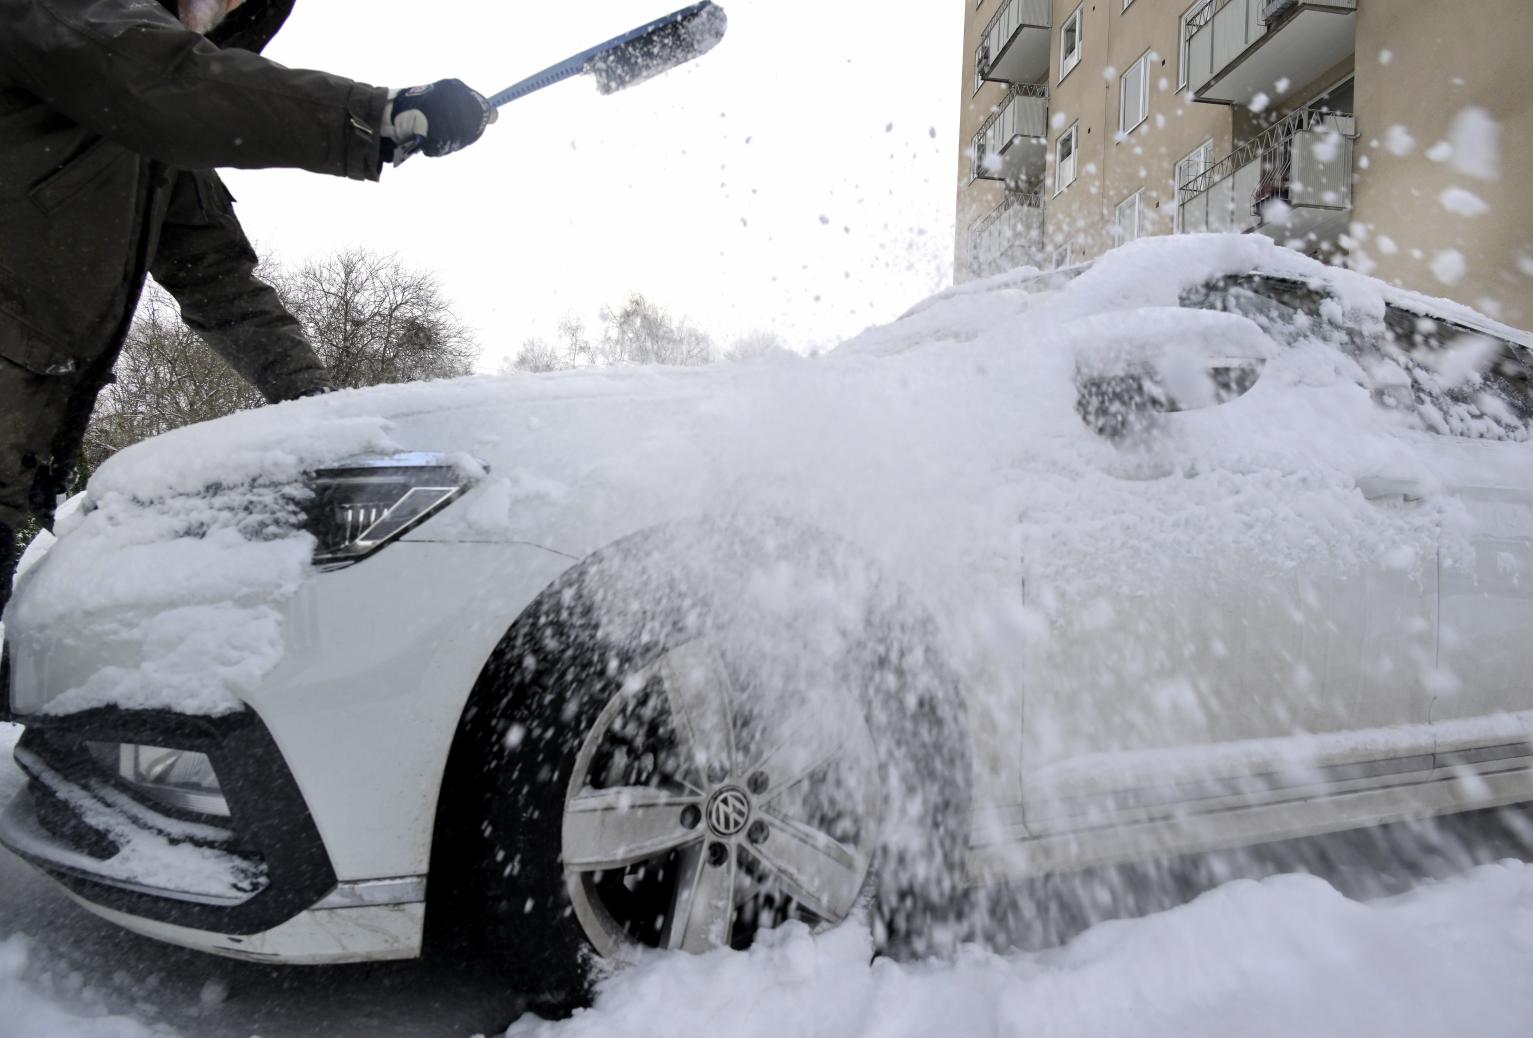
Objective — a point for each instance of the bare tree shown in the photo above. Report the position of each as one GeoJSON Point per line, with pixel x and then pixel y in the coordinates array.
{"type": "Point", "coordinates": [535, 356]}
{"type": "Point", "coordinates": [641, 332]}
{"type": "Point", "coordinates": [754, 345]}
{"type": "Point", "coordinates": [572, 349]}
{"type": "Point", "coordinates": [638, 332]}
{"type": "Point", "coordinates": [371, 319]}
{"type": "Point", "coordinates": [166, 377]}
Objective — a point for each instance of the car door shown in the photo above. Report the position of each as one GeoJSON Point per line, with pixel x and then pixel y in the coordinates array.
{"type": "Point", "coordinates": [1155, 703]}
{"type": "Point", "coordinates": [1473, 393]}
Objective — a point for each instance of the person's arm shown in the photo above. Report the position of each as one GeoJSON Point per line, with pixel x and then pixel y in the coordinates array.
{"type": "Point", "coordinates": [206, 262]}
{"type": "Point", "coordinates": [130, 71]}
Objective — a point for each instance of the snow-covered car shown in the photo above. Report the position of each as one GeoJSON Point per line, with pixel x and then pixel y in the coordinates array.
{"type": "Point", "coordinates": [1206, 546]}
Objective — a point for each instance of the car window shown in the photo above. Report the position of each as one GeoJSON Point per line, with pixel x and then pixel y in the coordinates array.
{"type": "Point", "coordinates": [1462, 382]}
{"type": "Point", "coordinates": [1456, 381]}
{"type": "Point", "coordinates": [1285, 310]}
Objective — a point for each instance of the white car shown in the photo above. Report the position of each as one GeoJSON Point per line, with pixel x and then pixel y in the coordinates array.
{"type": "Point", "coordinates": [1204, 547]}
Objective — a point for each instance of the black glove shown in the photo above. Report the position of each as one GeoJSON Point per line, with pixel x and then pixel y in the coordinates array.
{"type": "Point", "coordinates": [438, 119]}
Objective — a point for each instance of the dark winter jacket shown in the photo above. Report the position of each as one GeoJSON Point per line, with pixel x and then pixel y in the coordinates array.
{"type": "Point", "coordinates": [112, 117]}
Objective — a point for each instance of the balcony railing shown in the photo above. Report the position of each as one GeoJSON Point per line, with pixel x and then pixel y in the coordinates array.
{"type": "Point", "coordinates": [1014, 48]}
{"type": "Point", "coordinates": [1237, 49]}
{"type": "Point", "coordinates": [1022, 115]}
{"type": "Point", "coordinates": [1008, 236]}
{"type": "Point", "coordinates": [1303, 162]}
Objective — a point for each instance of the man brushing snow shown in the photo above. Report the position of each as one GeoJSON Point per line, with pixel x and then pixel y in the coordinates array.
{"type": "Point", "coordinates": [114, 114]}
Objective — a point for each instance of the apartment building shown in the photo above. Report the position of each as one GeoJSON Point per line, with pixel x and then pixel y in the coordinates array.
{"type": "Point", "coordinates": [1394, 136]}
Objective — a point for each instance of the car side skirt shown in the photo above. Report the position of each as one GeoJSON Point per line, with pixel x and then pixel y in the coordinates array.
{"type": "Point", "coordinates": [1420, 786]}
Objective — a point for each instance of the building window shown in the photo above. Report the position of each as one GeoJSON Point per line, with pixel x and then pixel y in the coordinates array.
{"type": "Point", "coordinates": [981, 65]}
{"type": "Point", "coordinates": [1064, 159]}
{"type": "Point", "coordinates": [1126, 220]}
{"type": "Point", "coordinates": [977, 151]}
{"type": "Point", "coordinates": [1181, 37]}
{"type": "Point", "coordinates": [1134, 94]}
{"type": "Point", "coordinates": [1061, 257]}
{"type": "Point", "coordinates": [1070, 43]}
{"type": "Point", "coordinates": [1194, 165]}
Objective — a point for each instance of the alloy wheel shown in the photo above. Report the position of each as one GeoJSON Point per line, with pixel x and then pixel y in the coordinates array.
{"type": "Point", "coordinates": [706, 805]}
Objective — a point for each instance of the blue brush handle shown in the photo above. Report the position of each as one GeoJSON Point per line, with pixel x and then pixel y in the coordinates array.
{"type": "Point", "coordinates": [577, 63]}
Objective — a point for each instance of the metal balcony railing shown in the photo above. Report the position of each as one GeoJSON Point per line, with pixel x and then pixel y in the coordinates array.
{"type": "Point", "coordinates": [1204, 16]}
{"type": "Point", "coordinates": [1235, 48]}
{"type": "Point", "coordinates": [1009, 235]}
{"type": "Point", "coordinates": [1014, 200]}
{"type": "Point", "coordinates": [1276, 138]}
{"type": "Point", "coordinates": [1007, 122]}
{"type": "Point", "coordinates": [1011, 17]}
{"type": "Point", "coordinates": [1304, 160]}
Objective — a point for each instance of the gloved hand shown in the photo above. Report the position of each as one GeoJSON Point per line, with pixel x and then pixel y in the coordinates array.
{"type": "Point", "coordinates": [438, 119]}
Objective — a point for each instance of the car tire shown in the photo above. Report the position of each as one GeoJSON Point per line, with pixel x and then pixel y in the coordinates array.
{"type": "Point", "coordinates": [756, 704]}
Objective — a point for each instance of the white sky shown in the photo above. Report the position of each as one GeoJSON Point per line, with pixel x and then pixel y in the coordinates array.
{"type": "Point", "coordinates": [704, 189]}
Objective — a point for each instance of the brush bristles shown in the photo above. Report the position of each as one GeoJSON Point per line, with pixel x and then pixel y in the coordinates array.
{"type": "Point", "coordinates": [673, 44]}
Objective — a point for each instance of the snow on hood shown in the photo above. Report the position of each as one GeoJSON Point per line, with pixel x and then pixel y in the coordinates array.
{"type": "Point", "coordinates": [945, 443]}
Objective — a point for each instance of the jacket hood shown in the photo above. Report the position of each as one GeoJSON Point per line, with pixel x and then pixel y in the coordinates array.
{"type": "Point", "coordinates": [250, 27]}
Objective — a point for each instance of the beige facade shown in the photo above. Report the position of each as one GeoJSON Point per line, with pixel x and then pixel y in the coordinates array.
{"type": "Point", "coordinates": [1391, 135]}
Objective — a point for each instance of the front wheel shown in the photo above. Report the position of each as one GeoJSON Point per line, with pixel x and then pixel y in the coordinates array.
{"type": "Point", "coordinates": [696, 735]}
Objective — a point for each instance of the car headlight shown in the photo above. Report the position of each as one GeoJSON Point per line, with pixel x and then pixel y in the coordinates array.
{"type": "Point", "coordinates": [360, 505]}
{"type": "Point", "coordinates": [181, 779]}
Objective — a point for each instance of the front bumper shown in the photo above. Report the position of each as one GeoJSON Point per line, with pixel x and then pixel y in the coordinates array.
{"type": "Point", "coordinates": [257, 884]}
{"type": "Point", "coordinates": [107, 844]}
{"type": "Point", "coordinates": [350, 731]}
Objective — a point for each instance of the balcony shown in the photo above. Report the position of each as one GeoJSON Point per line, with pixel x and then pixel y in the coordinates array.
{"type": "Point", "coordinates": [1009, 236]}
{"type": "Point", "coordinates": [1012, 143]}
{"type": "Point", "coordinates": [1014, 48]}
{"type": "Point", "coordinates": [1294, 181]}
{"type": "Point", "coordinates": [1237, 49]}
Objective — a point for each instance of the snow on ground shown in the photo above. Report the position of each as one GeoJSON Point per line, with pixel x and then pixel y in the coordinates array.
{"type": "Point", "coordinates": [49, 1009]}
{"type": "Point", "coordinates": [1284, 956]}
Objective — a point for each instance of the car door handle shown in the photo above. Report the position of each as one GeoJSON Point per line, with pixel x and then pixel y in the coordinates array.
{"type": "Point", "coordinates": [1392, 488]}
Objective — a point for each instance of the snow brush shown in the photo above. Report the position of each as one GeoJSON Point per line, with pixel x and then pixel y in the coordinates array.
{"type": "Point", "coordinates": [634, 56]}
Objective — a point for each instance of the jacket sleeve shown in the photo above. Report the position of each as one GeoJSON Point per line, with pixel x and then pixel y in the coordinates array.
{"type": "Point", "coordinates": [130, 71]}
{"type": "Point", "coordinates": [207, 263]}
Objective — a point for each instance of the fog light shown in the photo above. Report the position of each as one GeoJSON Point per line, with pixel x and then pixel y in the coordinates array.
{"type": "Point", "coordinates": [176, 778]}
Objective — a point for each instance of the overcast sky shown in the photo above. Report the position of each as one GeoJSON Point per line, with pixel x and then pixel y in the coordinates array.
{"type": "Point", "coordinates": [798, 179]}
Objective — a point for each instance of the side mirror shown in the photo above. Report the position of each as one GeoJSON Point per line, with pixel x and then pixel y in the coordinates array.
{"type": "Point", "coordinates": [1133, 365]}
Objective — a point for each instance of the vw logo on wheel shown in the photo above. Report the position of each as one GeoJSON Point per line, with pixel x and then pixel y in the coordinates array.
{"type": "Point", "coordinates": [728, 811]}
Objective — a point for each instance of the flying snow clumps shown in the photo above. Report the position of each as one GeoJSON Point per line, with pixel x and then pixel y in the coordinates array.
{"type": "Point", "coordinates": [1476, 140]}
{"type": "Point", "coordinates": [1448, 266]}
{"type": "Point", "coordinates": [1464, 203]}
{"type": "Point", "coordinates": [1399, 140]}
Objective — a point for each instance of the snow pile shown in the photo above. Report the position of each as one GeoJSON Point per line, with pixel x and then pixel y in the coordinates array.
{"type": "Point", "coordinates": [51, 1007]}
{"type": "Point", "coordinates": [1281, 957]}
{"type": "Point", "coordinates": [187, 544]}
